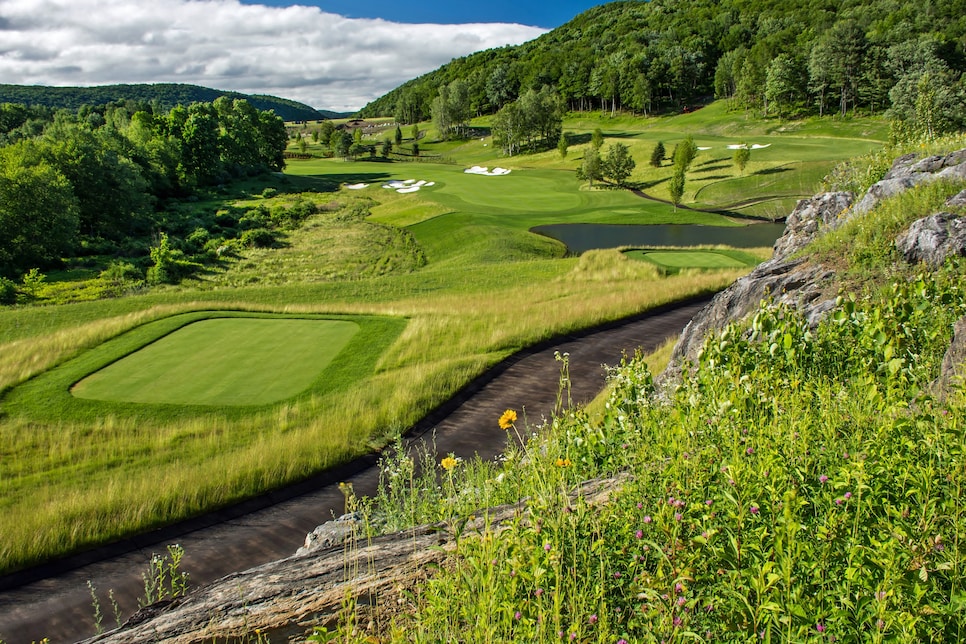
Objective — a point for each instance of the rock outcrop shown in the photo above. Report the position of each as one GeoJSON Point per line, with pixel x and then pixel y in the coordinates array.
{"type": "Point", "coordinates": [953, 371]}
{"type": "Point", "coordinates": [810, 286]}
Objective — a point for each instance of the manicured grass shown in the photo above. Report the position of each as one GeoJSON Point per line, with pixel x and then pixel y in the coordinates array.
{"type": "Point", "coordinates": [223, 361]}
{"type": "Point", "coordinates": [686, 258]}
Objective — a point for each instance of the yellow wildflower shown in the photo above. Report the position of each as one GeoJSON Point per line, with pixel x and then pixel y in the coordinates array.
{"type": "Point", "coordinates": [507, 419]}
{"type": "Point", "coordinates": [563, 462]}
{"type": "Point", "coordinates": [448, 463]}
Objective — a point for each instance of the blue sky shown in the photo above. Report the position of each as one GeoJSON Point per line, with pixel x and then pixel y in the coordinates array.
{"type": "Point", "coordinates": [540, 14]}
{"type": "Point", "coordinates": [330, 54]}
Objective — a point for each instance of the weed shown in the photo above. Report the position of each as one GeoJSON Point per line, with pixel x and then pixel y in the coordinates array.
{"type": "Point", "coordinates": [164, 578]}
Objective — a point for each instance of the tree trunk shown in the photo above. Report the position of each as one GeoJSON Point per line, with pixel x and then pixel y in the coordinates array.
{"type": "Point", "coordinates": [286, 598]}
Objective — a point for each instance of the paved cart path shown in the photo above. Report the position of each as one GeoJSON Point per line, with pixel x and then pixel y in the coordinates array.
{"type": "Point", "coordinates": [55, 601]}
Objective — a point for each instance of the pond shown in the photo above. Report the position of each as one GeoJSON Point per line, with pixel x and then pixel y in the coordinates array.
{"type": "Point", "coordinates": [584, 237]}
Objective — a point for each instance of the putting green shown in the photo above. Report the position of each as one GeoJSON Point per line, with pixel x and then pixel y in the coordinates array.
{"type": "Point", "coordinates": [686, 258]}
{"type": "Point", "coordinates": [223, 361]}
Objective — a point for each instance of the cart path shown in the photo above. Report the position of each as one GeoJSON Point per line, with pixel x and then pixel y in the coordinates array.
{"type": "Point", "coordinates": [57, 602]}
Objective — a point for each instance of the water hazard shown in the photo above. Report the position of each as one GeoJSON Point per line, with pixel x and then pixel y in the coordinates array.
{"type": "Point", "coordinates": [584, 237]}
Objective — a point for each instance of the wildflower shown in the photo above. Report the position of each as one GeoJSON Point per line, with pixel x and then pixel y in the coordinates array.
{"type": "Point", "coordinates": [547, 546]}
{"type": "Point", "coordinates": [754, 509]}
{"type": "Point", "coordinates": [820, 627]}
{"type": "Point", "coordinates": [639, 534]}
{"type": "Point", "coordinates": [517, 615]}
{"type": "Point", "coordinates": [848, 495]}
{"type": "Point", "coordinates": [622, 641]}
{"type": "Point", "coordinates": [823, 479]}
{"type": "Point", "coordinates": [709, 503]}
{"type": "Point", "coordinates": [648, 519]}
{"type": "Point", "coordinates": [592, 620]}
{"type": "Point", "coordinates": [538, 592]}
{"type": "Point", "coordinates": [448, 463]}
{"type": "Point", "coordinates": [750, 451]}
{"type": "Point", "coordinates": [507, 419]}
{"type": "Point", "coordinates": [681, 601]}
{"type": "Point", "coordinates": [678, 516]}
{"type": "Point", "coordinates": [677, 621]}
{"type": "Point", "coordinates": [563, 462]}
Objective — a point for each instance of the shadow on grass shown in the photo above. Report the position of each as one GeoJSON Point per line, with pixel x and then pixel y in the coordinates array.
{"type": "Point", "coordinates": [773, 170]}
{"type": "Point", "coordinates": [712, 168]}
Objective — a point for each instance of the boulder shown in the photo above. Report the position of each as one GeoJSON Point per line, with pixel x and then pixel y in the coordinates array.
{"type": "Point", "coordinates": [953, 370]}
{"type": "Point", "coordinates": [933, 239]}
{"type": "Point", "coordinates": [906, 173]}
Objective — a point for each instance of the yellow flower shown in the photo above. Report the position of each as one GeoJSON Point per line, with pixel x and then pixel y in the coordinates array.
{"type": "Point", "coordinates": [448, 463]}
{"type": "Point", "coordinates": [507, 419]}
{"type": "Point", "coordinates": [563, 462]}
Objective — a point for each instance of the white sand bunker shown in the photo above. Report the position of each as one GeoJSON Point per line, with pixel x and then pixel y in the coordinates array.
{"type": "Point", "coordinates": [495, 172]}
{"type": "Point", "coordinates": [745, 146]}
{"type": "Point", "coordinates": [704, 148]}
{"type": "Point", "coordinates": [409, 185]}
{"type": "Point", "coordinates": [357, 186]}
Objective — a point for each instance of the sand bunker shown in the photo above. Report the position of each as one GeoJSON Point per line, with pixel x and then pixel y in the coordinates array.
{"type": "Point", "coordinates": [495, 172]}
{"type": "Point", "coordinates": [407, 186]}
{"type": "Point", "coordinates": [745, 146]}
{"type": "Point", "coordinates": [357, 186]}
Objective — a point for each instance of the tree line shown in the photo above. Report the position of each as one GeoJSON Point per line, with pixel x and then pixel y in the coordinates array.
{"type": "Point", "coordinates": [102, 181]}
{"type": "Point", "coordinates": [784, 58]}
{"type": "Point", "coordinates": [161, 96]}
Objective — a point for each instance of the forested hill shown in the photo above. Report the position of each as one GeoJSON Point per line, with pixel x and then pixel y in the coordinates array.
{"type": "Point", "coordinates": [167, 95]}
{"type": "Point", "coordinates": [780, 56]}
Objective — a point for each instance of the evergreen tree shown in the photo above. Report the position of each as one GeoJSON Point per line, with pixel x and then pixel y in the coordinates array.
{"type": "Point", "coordinates": [562, 145]}
{"type": "Point", "coordinates": [658, 154]}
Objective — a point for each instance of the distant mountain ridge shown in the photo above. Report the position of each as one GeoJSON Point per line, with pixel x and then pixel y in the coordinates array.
{"type": "Point", "coordinates": [167, 94]}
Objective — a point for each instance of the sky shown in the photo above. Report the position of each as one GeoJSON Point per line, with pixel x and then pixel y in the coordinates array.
{"type": "Point", "coordinates": [333, 55]}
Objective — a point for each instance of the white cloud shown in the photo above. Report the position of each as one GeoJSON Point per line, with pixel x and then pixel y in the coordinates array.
{"type": "Point", "coordinates": [302, 53]}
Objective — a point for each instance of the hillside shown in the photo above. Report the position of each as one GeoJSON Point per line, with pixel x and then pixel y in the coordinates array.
{"type": "Point", "coordinates": [801, 480]}
{"type": "Point", "coordinates": [168, 95]}
{"type": "Point", "coordinates": [781, 58]}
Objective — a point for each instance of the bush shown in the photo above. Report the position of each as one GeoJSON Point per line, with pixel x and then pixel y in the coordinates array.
{"type": "Point", "coordinates": [268, 193]}
{"type": "Point", "coordinates": [258, 238]}
{"type": "Point", "coordinates": [8, 291]}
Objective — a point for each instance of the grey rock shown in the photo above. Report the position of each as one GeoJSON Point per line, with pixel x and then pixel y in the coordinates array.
{"type": "Point", "coordinates": [332, 533]}
{"type": "Point", "coordinates": [811, 217]}
{"type": "Point", "coordinates": [957, 200]}
{"type": "Point", "coordinates": [953, 370]}
{"type": "Point", "coordinates": [933, 239]}
{"type": "Point", "coordinates": [907, 173]}
{"type": "Point", "coordinates": [889, 188]}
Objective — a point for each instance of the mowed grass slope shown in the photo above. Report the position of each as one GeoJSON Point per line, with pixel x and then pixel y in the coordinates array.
{"type": "Point", "coordinates": [77, 472]}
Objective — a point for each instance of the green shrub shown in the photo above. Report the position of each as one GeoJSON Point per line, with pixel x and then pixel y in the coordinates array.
{"type": "Point", "coordinates": [258, 238]}
{"type": "Point", "coordinates": [8, 291]}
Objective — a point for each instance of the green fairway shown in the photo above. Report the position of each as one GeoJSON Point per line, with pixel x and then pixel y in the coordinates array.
{"type": "Point", "coordinates": [226, 361]}
{"type": "Point", "coordinates": [678, 259]}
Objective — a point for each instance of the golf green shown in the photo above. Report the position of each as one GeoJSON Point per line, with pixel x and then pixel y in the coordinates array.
{"type": "Point", "coordinates": [687, 259]}
{"type": "Point", "coordinates": [223, 361]}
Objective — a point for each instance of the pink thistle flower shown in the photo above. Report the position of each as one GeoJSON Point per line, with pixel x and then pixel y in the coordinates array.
{"type": "Point", "coordinates": [592, 619]}
{"type": "Point", "coordinates": [754, 509]}
{"type": "Point", "coordinates": [639, 534]}
{"type": "Point", "coordinates": [648, 519]}
{"type": "Point", "coordinates": [823, 479]}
